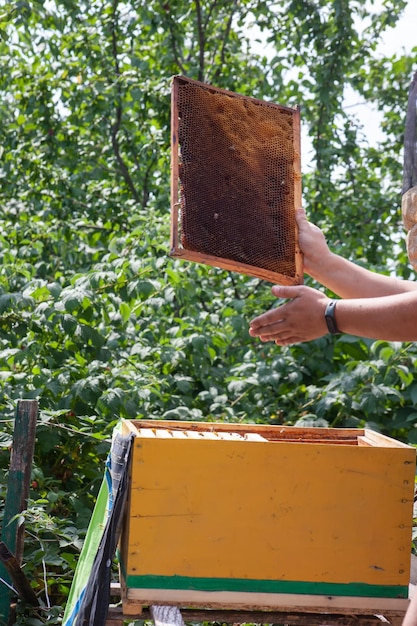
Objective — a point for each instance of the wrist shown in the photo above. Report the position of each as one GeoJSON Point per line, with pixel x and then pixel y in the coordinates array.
{"type": "Point", "coordinates": [330, 317]}
{"type": "Point", "coordinates": [322, 267]}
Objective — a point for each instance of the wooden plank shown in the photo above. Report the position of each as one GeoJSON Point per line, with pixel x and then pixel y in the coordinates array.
{"type": "Point", "coordinates": [231, 436]}
{"type": "Point", "coordinates": [193, 434]}
{"type": "Point", "coordinates": [272, 433]}
{"type": "Point", "coordinates": [146, 432]}
{"type": "Point", "coordinates": [175, 204]}
{"type": "Point", "coordinates": [179, 434]}
{"type": "Point", "coordinates": [323, 441]}
{"type": "Point", "coordinates": [17, 492]}
{"type": "Point", "coordinates": [230, 265]}
{"type": "Point", "coordinates": [291, 612]}
{"type": "Point", "coordinates": [298, 201]}
{"type": "Point", "coordinates": [382, 440]}
{"type": "Point", "coordinates": [163, 433]}
{"type": "Point", "coordinates": [365, 442]}
{"type": "Point", "coordinates": [116, 617]}
{"type": "Point", "coordinates": [275, 433]}
{"type": "Point", "coordinates": [254, 437]}
{"type": "Point", "coordinates": [209, 435]}
{"type": "Point", "coordinates": [303, 603]}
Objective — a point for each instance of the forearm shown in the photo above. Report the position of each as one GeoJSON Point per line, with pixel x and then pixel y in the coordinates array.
{"type": "Point", "coordinates": [348, 280]}
{"type": "Point", "coordinates": [302, 316]}
{"type": "Point", "coordinates": [371, 305]}
{"type": "Point", "coordinates": [390, 318]}
{"type": "Point", "coordinates": [344, 278]}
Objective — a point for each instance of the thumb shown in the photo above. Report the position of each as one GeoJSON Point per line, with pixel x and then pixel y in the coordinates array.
{"type": "Point", "coordinates": [283, 291]}
{"type": "Point", "coordinates": [301, 217]}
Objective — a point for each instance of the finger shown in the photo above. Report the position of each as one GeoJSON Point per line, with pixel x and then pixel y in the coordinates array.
{"type": "Point", "coordinates": [279, 334]}
{"type": "Point", "coordinates": [300, 216]}
{"type": "Point", "coordinates": [274, 315]}
{"type": "Point", "coordinates": [270, 331]}
{"type": "Point", "coordinates": [264, 321]}
{"type": "Point", "coordinates": [269, 337]}
{"type": "Point", "coordinates": [288, 341]}
{"type": "Point", "coordinates": [302, 221]}
{"type": "Point", "coordinates": [286, 292]}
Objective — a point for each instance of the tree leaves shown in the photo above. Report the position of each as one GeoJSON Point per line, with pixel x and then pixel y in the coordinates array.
{"type": "Point", "coordinates": [96, 320]}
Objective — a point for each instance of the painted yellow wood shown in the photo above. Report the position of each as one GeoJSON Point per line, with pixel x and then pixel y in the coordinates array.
{"type": "Point", "coordinates": [269, 510]}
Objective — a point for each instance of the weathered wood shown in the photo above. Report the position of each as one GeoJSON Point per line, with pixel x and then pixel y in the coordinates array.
{"type": "Point", "coordinates": [343, 436]}
{"type": "Point", "coordinates": [378, 439]}
{"type": "Point", "coordinates": [175, 204]}
{"type": "Point", "coordinates": [304, 603]}
{"type": "Point", "coordinates": [19, 474]}
{"type": "Point", "coordinates": [20, 582]}
{"type": "Point", "coordinates": [232, 266]}
{"type": "Point", "coordinates": [116, 617]}
{"type": "Point", "coordinates": [302, 617]}
{"type": "Point", "coordinates": [271, 433]}
{"type": "Point", "coordinates": [21, 457]}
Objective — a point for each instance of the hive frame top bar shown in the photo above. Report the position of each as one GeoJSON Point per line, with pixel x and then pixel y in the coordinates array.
{"type": "Point", "coordinates": [361, 437]}
{"type": "Point", "coordinates": [289, 263]}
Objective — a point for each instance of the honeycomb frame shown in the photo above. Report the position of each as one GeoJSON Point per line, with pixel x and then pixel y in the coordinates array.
{"type": "Point", "coordinates": [235, 182]}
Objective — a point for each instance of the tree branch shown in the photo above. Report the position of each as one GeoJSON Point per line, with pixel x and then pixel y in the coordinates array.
{"type": "Point", "coordinates": [119, 110]}
{"type": "Point", "coordinates": [224, 42]}
{"type": "Point", "coordinates": [201, 40]}
{"type": "Point", "coordinates": [175, 52]}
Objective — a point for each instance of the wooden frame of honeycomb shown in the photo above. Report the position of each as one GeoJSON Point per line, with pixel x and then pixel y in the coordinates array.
{"type": "Point", "coordinates": [235, 182]}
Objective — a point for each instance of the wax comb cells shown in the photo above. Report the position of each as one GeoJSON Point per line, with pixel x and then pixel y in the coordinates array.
{"type": "Point", "coordinates": [235, 182]}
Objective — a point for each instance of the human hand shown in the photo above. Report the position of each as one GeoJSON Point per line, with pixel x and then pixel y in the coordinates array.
{"type": "Point", "coordinates": [313, 245]}
{"type": "Point", "coordinates": [300, 319]}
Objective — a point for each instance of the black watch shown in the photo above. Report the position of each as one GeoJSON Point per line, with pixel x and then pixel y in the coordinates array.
{"type": "Point", "coordinates": [330, 319]}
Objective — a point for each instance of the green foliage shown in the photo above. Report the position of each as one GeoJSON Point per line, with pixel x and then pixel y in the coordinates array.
{"type": "Point", "coordinates": [96, 321]}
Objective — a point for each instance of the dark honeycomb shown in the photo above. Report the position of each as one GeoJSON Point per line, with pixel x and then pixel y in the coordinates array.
{"type": "Point", "coordinates": [236, 173]}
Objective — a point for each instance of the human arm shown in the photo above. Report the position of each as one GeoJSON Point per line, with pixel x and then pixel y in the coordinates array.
{"type": "Point", "coordinates": [372, 305]}
{"type": "Point", "coordinates": [342, 277]}
{"type": "Point", "coordinates": [301, 318]}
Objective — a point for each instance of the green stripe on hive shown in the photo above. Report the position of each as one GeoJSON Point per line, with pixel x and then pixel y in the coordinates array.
{"type": "Point", "coordinates": [267, 586]}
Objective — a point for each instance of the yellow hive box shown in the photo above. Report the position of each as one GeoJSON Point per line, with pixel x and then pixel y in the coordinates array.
{"type": "Point", "coordinates": [254, 516]}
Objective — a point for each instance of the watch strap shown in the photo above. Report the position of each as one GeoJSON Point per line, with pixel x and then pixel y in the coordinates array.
{"type": "Point", "coordinates": [329, 315]}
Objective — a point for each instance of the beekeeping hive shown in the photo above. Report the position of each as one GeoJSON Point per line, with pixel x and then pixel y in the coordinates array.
{"type": "Point", "coordinates": [266, 516]}
{"type": "Point", "coordinates": [235, 182]}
